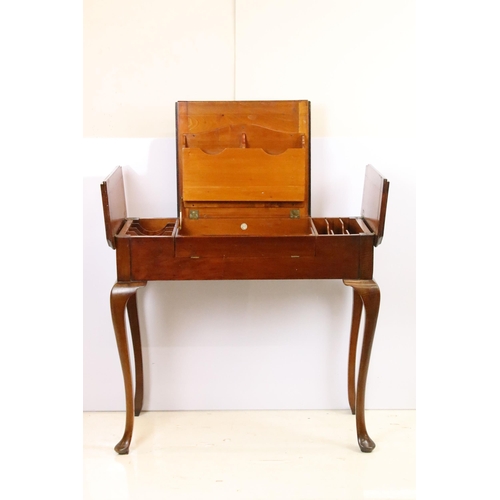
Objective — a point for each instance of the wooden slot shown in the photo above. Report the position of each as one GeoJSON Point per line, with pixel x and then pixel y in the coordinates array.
{"type": "Point", "coordinates": [320, 225]}
{"type": "Point", "coordinates": [244, 136]}
{"type": "Point", "coordinates": [363, 228]}
{"type": "Point", "coordinates": [339, 226]}
{"type": "Point", "coordinates": [355, 228]}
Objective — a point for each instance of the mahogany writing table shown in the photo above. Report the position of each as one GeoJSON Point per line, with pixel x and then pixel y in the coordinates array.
{"type": "Point", "coordinates": [243, 180]}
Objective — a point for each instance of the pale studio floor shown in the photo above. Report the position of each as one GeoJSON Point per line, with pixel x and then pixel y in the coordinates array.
{"type": "Point", "coordinates": [249, 455]}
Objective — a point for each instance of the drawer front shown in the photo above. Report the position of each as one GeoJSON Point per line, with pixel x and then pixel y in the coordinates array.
{"type": "Point", "coordinates": [244, 246]}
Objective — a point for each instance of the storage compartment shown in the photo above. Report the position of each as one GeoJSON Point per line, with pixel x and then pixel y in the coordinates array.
{"type": "Point", "coordinates": [149, 245]}
{"type": "Point", "coordinates": [246, 227]}
{"type": "Point", "coordinates": [248, 237]}
{"type": "Point", "coordinates": [151, 227]}
{"type": "Point", "coordinates": [340, 225]}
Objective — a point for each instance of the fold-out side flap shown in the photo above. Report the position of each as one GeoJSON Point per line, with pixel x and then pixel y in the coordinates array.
{"type": "Point", "coordinates": [374, 205]}
{"type": "Point", "coordinates": [113, 204]}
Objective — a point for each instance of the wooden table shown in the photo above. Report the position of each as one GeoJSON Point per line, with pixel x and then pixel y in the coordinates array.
{"type": "Point", "coordinates": [243, 175]}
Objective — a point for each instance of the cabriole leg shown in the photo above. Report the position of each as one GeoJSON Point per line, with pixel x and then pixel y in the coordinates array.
{"type": "Point", "coordinates": [357, 306]}
{"type": "Point", "coordinates": [369, 293]}
{"type": "Point", "coordinates": [120, 295]}
{"type": "Point", "coordinates": [133, 318]}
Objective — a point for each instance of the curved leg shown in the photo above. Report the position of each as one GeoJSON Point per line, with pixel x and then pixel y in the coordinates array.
{"type": "Point", "coordinates": [357, 306]}
{"type": "Point", "coordinates": [369, 292]}
{"type": "Point", "coordinates": [120, 295]}
{"type": "Point", "coordinates": [136, 343]}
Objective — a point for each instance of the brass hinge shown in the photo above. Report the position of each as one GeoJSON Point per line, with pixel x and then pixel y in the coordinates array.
{"type": "Point", "coordinates": [194, 214]}
{"type": "Point", "coordinates": [294, 214]}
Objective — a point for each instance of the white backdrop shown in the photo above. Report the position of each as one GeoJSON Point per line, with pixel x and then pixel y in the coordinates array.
{"type": "Point", "coordinates": [251, 344]}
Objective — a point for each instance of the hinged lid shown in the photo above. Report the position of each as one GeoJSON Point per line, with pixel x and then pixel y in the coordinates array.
{"type": "Point", "coordinates": [243, 158]}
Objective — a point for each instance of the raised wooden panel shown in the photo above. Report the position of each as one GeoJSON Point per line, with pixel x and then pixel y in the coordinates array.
{"type": "Point", "coordinates": [243, 175]}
